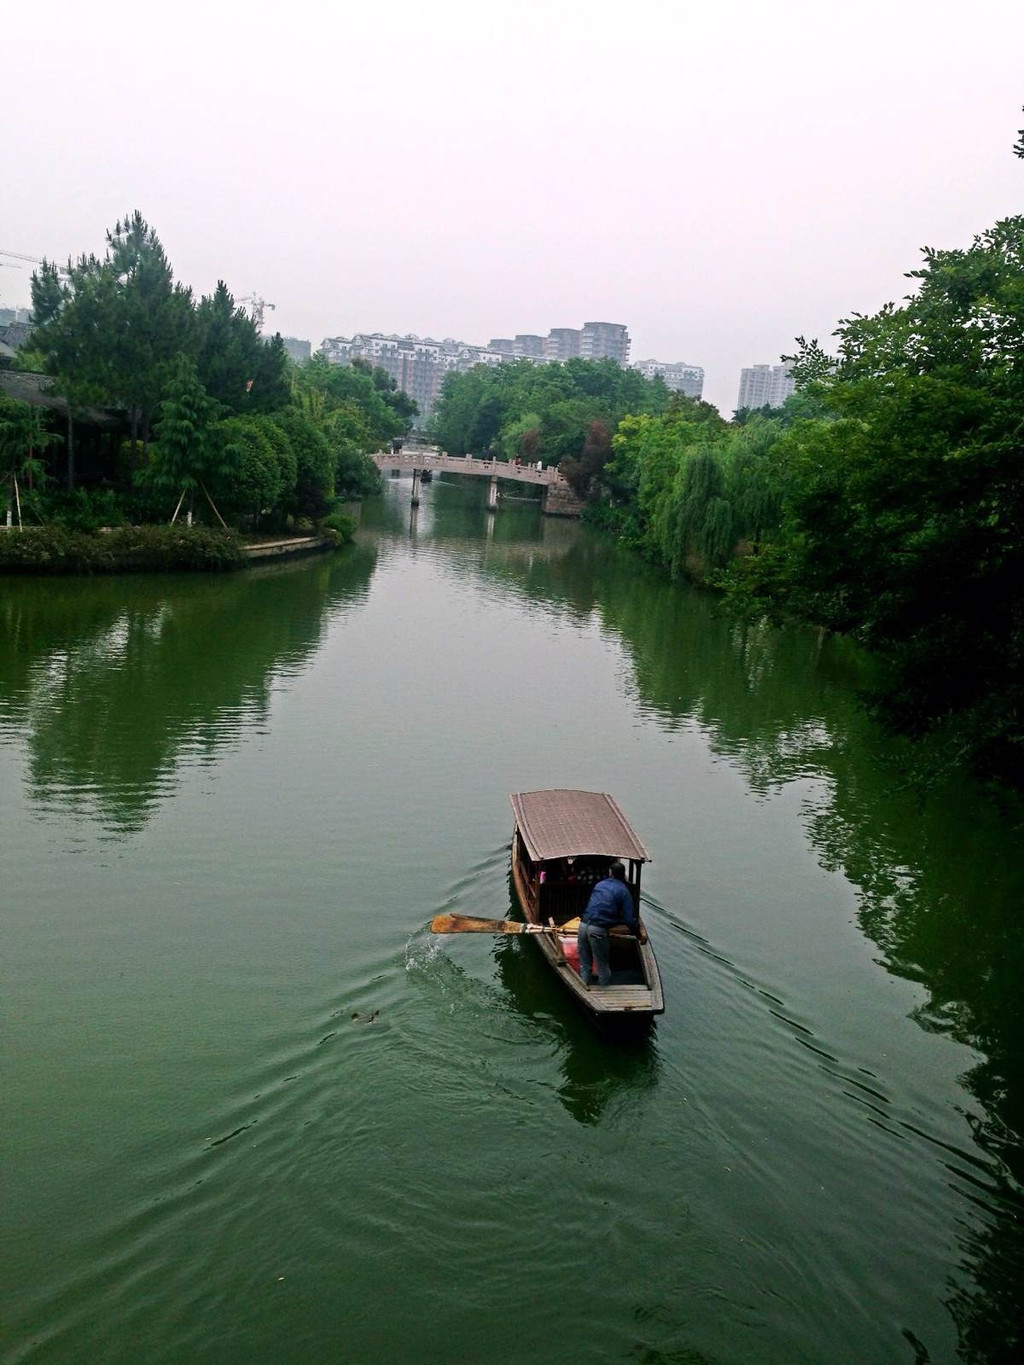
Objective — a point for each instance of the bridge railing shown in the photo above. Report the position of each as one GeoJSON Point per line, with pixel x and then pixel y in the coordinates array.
{"type": "Point", "coordinates": [428, 458]}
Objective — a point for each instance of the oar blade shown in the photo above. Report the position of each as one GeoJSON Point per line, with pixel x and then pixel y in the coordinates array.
{"type": "Point", "coordinates": [467, 924]}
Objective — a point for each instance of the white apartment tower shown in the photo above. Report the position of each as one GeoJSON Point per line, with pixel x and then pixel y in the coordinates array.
{"type": "Point", "coordinates": [765, 386]}
{"type": "Point", "coordinates": [677, 374]}
{"type": "Point", "coordinates": [418, 365]}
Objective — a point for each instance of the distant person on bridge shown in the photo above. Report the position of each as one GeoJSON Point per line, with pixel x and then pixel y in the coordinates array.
{"type": "Point", "coordinates": [611, 902]}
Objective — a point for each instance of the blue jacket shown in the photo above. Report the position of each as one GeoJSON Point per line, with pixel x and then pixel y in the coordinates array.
{"type": "Point", "coordinates": [611, 902]}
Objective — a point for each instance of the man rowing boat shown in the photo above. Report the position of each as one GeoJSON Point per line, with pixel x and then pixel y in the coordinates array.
{"type": "Point", "coordinates": [610, 903]}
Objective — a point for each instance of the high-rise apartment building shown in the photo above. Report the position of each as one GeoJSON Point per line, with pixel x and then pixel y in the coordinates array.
{"type": "Point", "coordinates": [297, 349]}
{"type": "Point", "coordinates": [525, 345]}
{"type": "Point", "coordinates": [419, 365]}
{"type": "Point", "coordinates": [562, 343]}
{"type": "Point", "coordinates": [677, 374]}
{"type": "Point", "coordinates": [765, 386]}
{"type": "Point", "coordinates": [604, 341]}
{"type": "Point", "coordinates": [592, 341]}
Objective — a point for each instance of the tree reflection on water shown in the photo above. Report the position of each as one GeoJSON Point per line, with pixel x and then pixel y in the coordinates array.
{"type": "Point", "coordinates": [937, 872]}
{"type": "Point", "coordinates": [111, 681]}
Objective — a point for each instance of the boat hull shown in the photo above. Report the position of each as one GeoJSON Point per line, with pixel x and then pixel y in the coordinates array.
{"type": "Point", "coordinates": [632, 1003]}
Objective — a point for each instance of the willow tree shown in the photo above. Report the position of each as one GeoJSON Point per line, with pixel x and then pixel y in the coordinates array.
{"type": "Point", "coordinates": [703, 524]}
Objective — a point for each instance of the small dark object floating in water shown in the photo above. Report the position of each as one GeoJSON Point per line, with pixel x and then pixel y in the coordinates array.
{"type": "Point", "coordinates": [364, 1018]}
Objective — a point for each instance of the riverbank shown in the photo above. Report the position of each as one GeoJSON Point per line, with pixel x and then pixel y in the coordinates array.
{"type": "Point", "coordinates": [154, 549]}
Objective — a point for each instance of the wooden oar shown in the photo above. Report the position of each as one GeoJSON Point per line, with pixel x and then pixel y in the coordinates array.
{"type": "Point", "coordinates": [466, 924]}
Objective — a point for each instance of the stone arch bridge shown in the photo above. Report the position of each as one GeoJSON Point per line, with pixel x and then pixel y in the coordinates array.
{"type": "Point", "coordinates": [557, 499]}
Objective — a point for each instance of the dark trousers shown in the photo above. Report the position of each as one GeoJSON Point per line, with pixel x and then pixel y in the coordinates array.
{"type": "Point", "coordinates": [592, 943]}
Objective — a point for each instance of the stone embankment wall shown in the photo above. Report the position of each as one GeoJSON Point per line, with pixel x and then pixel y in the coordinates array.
{"type": "Point", "coordinates": [561, 501]}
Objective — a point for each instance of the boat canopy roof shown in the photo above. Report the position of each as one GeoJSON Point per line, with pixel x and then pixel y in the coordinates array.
{"type": "Point", "coordinates": [571, 824]}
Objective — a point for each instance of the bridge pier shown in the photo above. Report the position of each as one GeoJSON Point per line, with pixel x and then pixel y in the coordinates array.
{"type": "Point", "coordinates": [492, 494]}
{"type": "Point", "coordinates": [560, 501]}
{"type": "Point", "coordinates": [415, 488]}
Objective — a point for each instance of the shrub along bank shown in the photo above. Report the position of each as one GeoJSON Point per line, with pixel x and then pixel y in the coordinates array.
{"type": "Point", "coordinates": [138, 549]}
{"type": "Point", "coordinates": [125, 549]}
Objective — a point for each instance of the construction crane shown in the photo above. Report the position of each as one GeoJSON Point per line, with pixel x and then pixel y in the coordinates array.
{"type": "Point", "coordinates": [259, 305]}
{"type": "Point", "coordinates": [10, 265]}
{"type": "Point", "coordinates": [34, 260]}
{"type": "Point", "coordinates": [20, 256]}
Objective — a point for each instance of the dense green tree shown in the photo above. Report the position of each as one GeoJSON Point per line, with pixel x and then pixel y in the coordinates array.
{"type": "Point", "coordinates": [117, 332]}
{"type": "Point", "coordinates": [314, 463]}
{"type": "Point", "coordinates": [584, 472]}
{"type": "Point", "coordinates": [904, 509]}
{"type": "Point", "coordinates": [344, 387]}
{"type": "Point", "coordinates": [702, 529]}
{"type": "Point", "coordinates": [492, 408]}
{"type": "Point", "coordinates": [74, 312]}
{"type": "Point", "coordinates": [24, 437]}
{"type": "Point", "coordinates": [253, 468]}
{"type": "Point", "coordinates": [184, 457]}
{"type": "Point", "coordinates": [645, 478]}
{"type": "Point", "coordinates": [404, 407]}
{"type": "Point", "coordinates": [743, 415]}
{"type": "Point", "coordinates": [755, 480]}
{"type": "Point", "coordinates": [109, 330]}
{"type": "Point", "coordinates": [521, 437]}
{"type": "Point", "coordinates": [454, 421]}
{"type": "Point", "coordinates": [244, 373]}
{"type": "Point", "coordinates": [356, 476]}
{"type": "Point", "coordinates": [285, 454]}
{"type": "Point", "coordinates": [150, 324]}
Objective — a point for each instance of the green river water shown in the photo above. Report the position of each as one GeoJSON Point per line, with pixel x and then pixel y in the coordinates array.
{"type": "Point", "coordinates": [229, 808]}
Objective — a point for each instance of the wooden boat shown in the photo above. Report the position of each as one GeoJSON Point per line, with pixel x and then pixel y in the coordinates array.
{"type": "Point", "coordinates": [564, 842]}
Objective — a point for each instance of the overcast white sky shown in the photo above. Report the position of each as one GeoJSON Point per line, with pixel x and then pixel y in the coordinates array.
{"type": "Point", "coordinates": [719, 176]}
